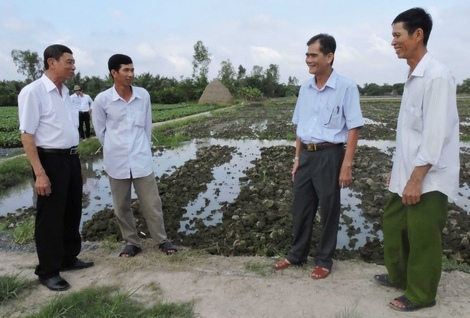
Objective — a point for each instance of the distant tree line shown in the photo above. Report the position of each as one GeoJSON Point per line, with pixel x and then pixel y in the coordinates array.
{"type": "Point", "coordinates": [258, 84]}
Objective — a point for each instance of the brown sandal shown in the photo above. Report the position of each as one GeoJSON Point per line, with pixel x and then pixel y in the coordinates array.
{"type": "Point", "coordinates": [320, 272]}
{"type": "Point", "coordinates": [282, 264]}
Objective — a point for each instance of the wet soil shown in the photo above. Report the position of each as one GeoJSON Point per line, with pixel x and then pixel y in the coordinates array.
{"type": "Point", "coordinates": [258, 221]}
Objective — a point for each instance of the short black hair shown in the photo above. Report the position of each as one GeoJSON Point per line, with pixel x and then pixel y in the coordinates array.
{"type": "Point", "coordinates": [55, 51]}
{"type": "Point", "coordinates": [416, 18]}
{"type": "Point", "coordinates": [115, 61]}
{"type": "Point", "coordinates": [327, 43]}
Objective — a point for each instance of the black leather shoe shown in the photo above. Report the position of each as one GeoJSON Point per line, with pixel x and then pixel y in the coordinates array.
{"type": "Point", "coordinates": [56, 283]}
{"type": "Point", "coordinates": [77, 265]}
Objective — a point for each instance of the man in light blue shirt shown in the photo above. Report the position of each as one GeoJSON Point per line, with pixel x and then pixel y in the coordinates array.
{"type": "Point", "coordinates": [122, 118]}
{"type": "Point", "coordinates": [328, 117]}
{"type": "Point", "coordinates": [425, 170]}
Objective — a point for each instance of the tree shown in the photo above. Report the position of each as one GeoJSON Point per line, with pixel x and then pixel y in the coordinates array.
{"type": "Point", "coordinates": [227, 75]}
{"type": "Point", "coordinates": [201, 61]}
{"type": "Point", "coordinates": [292, 81]}
{"type": "Point", "coordinates": [271, 80]}
{"type": "Point", "coordinates": [28, 63]}
{"type": "Point", "coordinates": [464, 88]}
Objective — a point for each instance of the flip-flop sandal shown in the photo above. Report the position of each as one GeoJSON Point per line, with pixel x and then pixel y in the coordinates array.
{"type": "Point", "coordinates": [168, 248]}
{"type": "Point", "coordinates": [408, 305]}
{"type": "Point", "coordinates": [282, 264]}
{"type": "Point", "coordinates": [382, 279]}
{"type": "Point", "coordinates": [130, 251]}
{"type": "Point", "coordinates": [320, 272]}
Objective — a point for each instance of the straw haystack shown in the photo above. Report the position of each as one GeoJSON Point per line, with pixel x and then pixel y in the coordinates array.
{"type": "Point", "coordinates": [216, 93]}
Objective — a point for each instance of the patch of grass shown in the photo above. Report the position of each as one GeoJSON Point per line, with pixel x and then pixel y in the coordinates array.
{"type": "Point", "coordinates": [172, 141]}
{"type": "Point", "coordinates": [452, 265]}
{"type": "Point", "coordinates": [3, 226]}
{"type": "Point", "coordinates": [11, 286]}
{"type": "Point", "coordinates": [159, 139]}
{"type": "Point", "coordinates": [89, 147]}
{"type": "Point", "coordinates": [23, 233]}
{"type": "Point", "coordinates": [109, 301]}
{"type": "Point", "coordinates": [14, 171]}
{"type": "Point", "coordinates": [348, 313]}
{"type": "Point", "coordinates": [257, 268]}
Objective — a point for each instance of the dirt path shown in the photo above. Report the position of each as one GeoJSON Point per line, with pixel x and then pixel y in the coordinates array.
{"type": "Point", "coordinates": [224, 287]}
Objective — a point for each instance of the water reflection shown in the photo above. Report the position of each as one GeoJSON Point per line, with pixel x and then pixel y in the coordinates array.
{"type": "Point", "coordinates": [224, 188]}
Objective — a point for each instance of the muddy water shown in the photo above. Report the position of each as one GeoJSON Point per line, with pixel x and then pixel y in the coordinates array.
{"type": "Point", "coordinates": [356, 228]}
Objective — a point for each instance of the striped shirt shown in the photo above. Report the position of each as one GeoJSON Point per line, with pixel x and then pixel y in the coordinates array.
{"type": "Point", "coordinates": [428, 130]}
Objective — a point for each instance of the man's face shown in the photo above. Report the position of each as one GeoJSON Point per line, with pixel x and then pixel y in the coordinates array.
{"type": "Point", "coordinates": [64, 68]}
{"type": "Point", "coordinates": [316, 61]}
{"type": "Point", "coordinates": [125, 75]}
{"type": "Point", "coordinates": [404, 44]}
{"type": "Point", "coordinates": [79, 93]}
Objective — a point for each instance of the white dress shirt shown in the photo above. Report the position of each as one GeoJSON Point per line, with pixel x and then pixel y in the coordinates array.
{"type": "Point", "coordinates": [50, 117]}
{"type": "Point", "coordinates": [327, 114]}
{"type": "Point", "coordinates": [82, 103]}
{"type": "Point", "coordinates": [428, 130]}
{"type": "Point", "coordinates": [124, 130]}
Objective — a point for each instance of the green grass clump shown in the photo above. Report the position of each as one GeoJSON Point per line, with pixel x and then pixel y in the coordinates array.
{"type": "Point", "coordinates": [257, 268]}
{"type": "Point", "coordinates": [109, 301]}
{"type": "Point", "coordinates": [23, 233]}
{"type": "Point", "coordinates": [348, 313]}
{"type": "Point", "coordinates": [11, 286]}
{"type": "Point", "coordinates": [89, 147]}
{"type": "Point", "coordinates": [452, 265]}
{"type": "Point", "coordinates": [14, 171]}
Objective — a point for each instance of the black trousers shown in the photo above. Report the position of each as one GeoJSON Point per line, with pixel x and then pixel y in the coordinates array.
{"type": "Point", "coordinates": [57, 234]}
{"type": "Point", "coordinates": [316, 183]}
{"type": "Point", "coordinates": [84, 118]}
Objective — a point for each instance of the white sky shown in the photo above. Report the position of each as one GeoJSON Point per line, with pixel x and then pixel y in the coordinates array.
{"type": "Point", "coordinates": [159, 35]}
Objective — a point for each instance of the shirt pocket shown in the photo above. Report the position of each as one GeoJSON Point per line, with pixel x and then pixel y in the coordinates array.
{"type": "Point", "coordinates": [139, 119]}
{"type": "Point", "coordinates": [414, 117]}
{"type": "Point", "coordinates": [332, 117]}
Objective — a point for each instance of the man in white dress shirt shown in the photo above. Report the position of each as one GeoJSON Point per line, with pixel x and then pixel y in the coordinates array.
{"type": "Point", "coordinates": [83, 104]}
{"type": "Point", "coordinates": [425, 170]}
{"type": "Point", "coordinates": [48, 125]}
{"type": "Point", "coordinates": [122, 118]}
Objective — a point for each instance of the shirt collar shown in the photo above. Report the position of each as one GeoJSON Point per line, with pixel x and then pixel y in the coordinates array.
{"type": "Point", "coordinates": [331, 82]}
{"type": "Point", "coordinates": [421, 67]}
{"type": "Point", "coordinates": [135, 94]}
{"type": "Point", "coordinates": [50, 86]}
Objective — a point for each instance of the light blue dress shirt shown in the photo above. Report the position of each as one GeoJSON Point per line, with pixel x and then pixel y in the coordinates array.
{"type": "Point", "coordinates": [327, 114]}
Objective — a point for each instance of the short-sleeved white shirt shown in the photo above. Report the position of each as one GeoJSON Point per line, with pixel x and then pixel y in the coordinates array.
{"type": "Point", "coordinates": [50, 117]}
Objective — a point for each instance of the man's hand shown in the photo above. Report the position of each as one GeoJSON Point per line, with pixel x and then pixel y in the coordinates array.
{"type": "Point", "coordinates": [42, 186]}
{"type": "Point", "coordinates": [345, 176]}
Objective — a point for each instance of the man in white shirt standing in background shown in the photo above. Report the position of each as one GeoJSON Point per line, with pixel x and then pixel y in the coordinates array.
{"type": "Point", "coordinates": [83, 104]}
{"type": "Point", "coordinates": [425, 170]}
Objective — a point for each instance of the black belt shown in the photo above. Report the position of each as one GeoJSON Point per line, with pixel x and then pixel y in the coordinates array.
{"type": "Point", "coordinates": [320, 146]}
{"type": "Point", "coordinates": [67, 151]}
{"type": "Point", "coordinates": [83, 112]}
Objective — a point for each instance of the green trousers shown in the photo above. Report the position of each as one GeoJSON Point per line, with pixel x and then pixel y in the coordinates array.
{"type": "Point", "coordinates": [413, 245]}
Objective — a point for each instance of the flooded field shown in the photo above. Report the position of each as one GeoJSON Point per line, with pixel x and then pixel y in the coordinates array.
{"type": "Point", "coordinates": [228, 189]}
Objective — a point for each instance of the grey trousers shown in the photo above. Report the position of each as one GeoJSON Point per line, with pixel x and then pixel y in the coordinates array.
{"type": "Point", "coordinates": [316, 183]}
{"type": "Point", "coordinates": [150, 204]}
